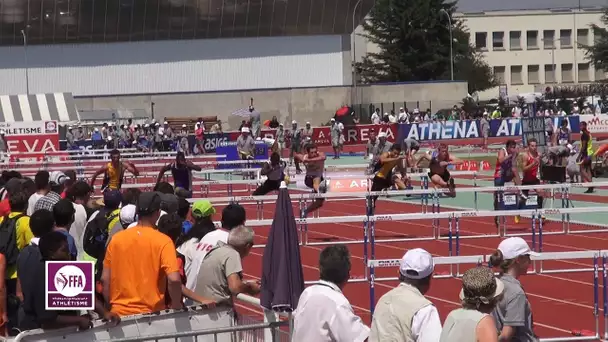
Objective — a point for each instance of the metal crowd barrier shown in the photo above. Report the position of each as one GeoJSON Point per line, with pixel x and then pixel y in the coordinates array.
{"type": "Point", "coordinates": [194, 323]}
{"type": "Point", "coordinates": [599, 258]}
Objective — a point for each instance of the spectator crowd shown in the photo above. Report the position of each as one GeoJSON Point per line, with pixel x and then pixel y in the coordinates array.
{"type": "Point", "coordinates": [149, 250]}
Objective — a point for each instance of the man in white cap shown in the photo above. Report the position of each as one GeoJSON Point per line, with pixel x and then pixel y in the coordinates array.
{"type": "Point", "coordinates": [184, 144]}
{"type": "Point", "coordinates": [403, 313]}
{"type": "Point", "coordinates": [245, 144]}
{"type": "Point", "coordinates": [337, 137]}
{"type": "Point", "coordinates": [383, 144]}
{"type": "Point", "coordinates": [69, 138]}
{"type": "Point", "coordinates": [308, 131]}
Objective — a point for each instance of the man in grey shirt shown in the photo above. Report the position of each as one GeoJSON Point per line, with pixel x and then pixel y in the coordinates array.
{"type": "Point", "coordinates": [245, 144]}
{"type": "Point", "coordinates": [220, 277]}
{"type": "Point", "coordinates": [516, 313]}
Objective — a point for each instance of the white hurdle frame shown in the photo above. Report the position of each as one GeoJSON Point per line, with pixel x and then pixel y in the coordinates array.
{"type": "Point", "coordinates": [595, 255]}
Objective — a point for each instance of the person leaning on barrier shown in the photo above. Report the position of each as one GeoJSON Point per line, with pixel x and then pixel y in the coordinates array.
{"type": "Point", "coordinates": [220, 277]}
{"type": "Point", "coordinates": [140, 264]}
{"type": "Point", "coordinates": [403, 313]}
{"type": "Point", "coordinates": [480, 293]}
{"type": "Point", "coordinates": [323, 312]}
{"type": "Point", "coordinates": [513, 314]}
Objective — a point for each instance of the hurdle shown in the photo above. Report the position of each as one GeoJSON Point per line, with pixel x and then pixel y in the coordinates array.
{"type": "Point", "coordinates": [476, 260]}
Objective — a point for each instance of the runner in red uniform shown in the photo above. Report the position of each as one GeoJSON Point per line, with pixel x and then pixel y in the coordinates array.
{"type": "Point", "coordinates": [531, 165]}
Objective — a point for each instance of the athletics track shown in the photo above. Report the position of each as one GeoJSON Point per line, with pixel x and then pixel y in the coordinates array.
{"type": "Point", "coordinates": [560, 302]}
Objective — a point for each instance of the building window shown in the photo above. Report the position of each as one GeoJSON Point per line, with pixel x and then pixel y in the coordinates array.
{"type": "Point", "coordinates": [515, 40]}
{"type": "Point", "coordinates": [567, 76]}
{"type": "Point", "coordinates": [582, 37]}
{"type": "Point", "coordinates": [499, 74]}
{"type": "Point", "coordinates": [516, 75]}
{"type": "Point", "coordinates": [565, 39]}
{"type": "Point", "coordinates": [533, 74]}
{"type": "Point", "coordinates": [600, 75]}
{"type": "Point", "coordinates": [550, 73]}
{"type": "Point", "coordinates": [481, 40]}
{"type": "Point", "coordinates": [498, 40]}
{"type": "Point", "coordinates": [532, 39]}
{"type": "Point", "coordinates": [549, 39]}
{"type": "Point", "coordinates": [583, 72]}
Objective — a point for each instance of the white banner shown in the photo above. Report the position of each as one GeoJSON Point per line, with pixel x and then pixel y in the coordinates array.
{"type": "Point", "coordinates": [29, 128]}
{"type": "Point", "coordinates": [596, 123]}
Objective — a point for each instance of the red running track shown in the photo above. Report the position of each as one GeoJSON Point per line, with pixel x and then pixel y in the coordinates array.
{"type": "Point", "coordinates": [561, 302]}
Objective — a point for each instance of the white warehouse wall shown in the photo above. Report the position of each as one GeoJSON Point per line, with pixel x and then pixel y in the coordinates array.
{"type": "Point", "coordinates": [176, 66]}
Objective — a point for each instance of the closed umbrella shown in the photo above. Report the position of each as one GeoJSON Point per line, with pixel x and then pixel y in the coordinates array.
{"type": "Point", "coordinates": [282, 276]}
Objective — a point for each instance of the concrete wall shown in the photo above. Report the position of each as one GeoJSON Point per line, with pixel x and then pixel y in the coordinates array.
{"type": "Point", "coordinates": [316, 105]}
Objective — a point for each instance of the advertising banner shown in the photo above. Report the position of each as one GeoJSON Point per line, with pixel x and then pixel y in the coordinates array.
{"type": "Point", "coordinates": [596, 123]}
{"type": "Point", "coordinates": [353, 135]}
{"type": "Point", "coordinates": [426, 131]}
{"type": "Point", "coordinates": [448, 130]}
{"type": "Point", "coordinates": [31, 140]}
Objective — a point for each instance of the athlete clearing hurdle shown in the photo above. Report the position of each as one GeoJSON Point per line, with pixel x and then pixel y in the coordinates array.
{"type": "Point", "coordinates": [181, 170]}
{"type": "Point", "coordinates": [314, 160]}
{"type": "Point", "coordinates": [114, 172]}
{"type": "Point", "coordinates": [506, 171]}
{"type": "Point", "coordinates": [385, 176]}
{"type": "Point", "coordinates": [438, 165]}
{"type": "Point", "coordinates": [530, 167]}
{"type": "Point", "coordinates": [275, 174]}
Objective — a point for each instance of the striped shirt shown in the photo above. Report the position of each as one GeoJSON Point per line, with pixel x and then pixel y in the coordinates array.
{"type": "Point", "coordinates": [47, 202]}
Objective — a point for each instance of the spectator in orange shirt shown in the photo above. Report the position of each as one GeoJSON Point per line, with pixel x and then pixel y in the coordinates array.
{"type": "Point", "coordinates": [141, 264]}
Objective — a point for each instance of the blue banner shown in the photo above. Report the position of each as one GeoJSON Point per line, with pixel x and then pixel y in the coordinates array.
{"type": "Point", "coordinates": [212, 141]}
{"type": "Point", "coordinates": [448, 130]}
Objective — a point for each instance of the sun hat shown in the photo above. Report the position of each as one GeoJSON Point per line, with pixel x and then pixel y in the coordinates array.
{"type": "Point", "coordinates": [128, 214]}
{"type": "Point", "coordinates": [480, 286]}
{"type": "Point", "coordinates": [202, 208]}
{"type": "Point", "coordinates": [57, 177]}
{"type": "Point", "coordinates": [514, 247]}
{"type": "Point", "coordinates": [417, 264]}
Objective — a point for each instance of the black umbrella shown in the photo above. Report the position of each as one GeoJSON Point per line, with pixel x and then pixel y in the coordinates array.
{"type": "Point", "coordinates": [282, 276]}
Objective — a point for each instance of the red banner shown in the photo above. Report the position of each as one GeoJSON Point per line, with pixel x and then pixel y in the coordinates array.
{"type": "Point", "coordinates": [353, 135]}
{"type": "Point", "coordinates": [31, 140]}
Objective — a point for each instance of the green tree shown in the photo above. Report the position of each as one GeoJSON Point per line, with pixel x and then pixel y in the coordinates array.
{"type": "Point", "coordinates": [597, 54]}
{"type": "Point", "coordinates": [414, 45]}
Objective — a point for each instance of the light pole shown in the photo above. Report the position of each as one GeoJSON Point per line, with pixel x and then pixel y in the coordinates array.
{"type": "Point", "coordinates": [354, 60]}
{"type": "Point", "coordinates": [451, 42]}
{"type": "Point", "coordinates": [27, 71]}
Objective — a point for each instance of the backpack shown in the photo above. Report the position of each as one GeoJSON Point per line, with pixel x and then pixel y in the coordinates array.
{"type": "Point", "coordinates": [96, 233]}
{"type": "Point", "coordinates": [8, 239]}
